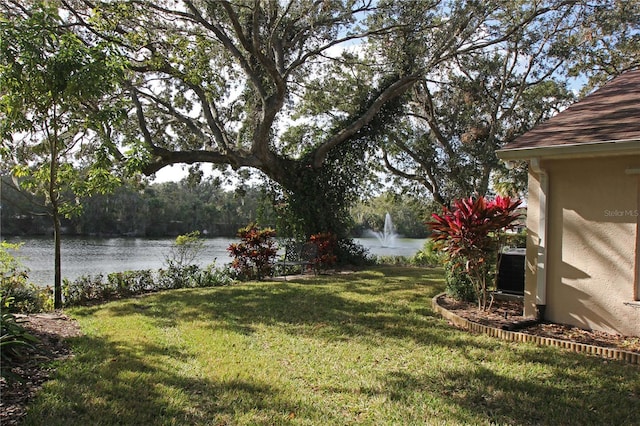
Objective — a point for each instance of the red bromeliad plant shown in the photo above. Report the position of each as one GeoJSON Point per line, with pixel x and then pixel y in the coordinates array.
{"type": "Point", "coordinates": [468, 233]}
{"type": "Point", "coordinates": [254, 256]}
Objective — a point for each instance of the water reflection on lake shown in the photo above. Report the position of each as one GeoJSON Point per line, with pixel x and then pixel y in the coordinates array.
{"type": "Point", "coordinates": [91, 256]}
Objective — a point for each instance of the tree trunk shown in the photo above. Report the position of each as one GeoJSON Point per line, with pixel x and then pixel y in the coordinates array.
{"type": "Point", "coordinates": [317, 200]}
{"type": "Point", "coordinates": [55, 213]}
{"type": "Point", "coordinates": [57, 280]}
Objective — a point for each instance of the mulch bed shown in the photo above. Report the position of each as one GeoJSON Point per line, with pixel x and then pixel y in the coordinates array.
{"type": "Point", "coordinates": [506, 314]}
{"type": "Point", "coordinates": [51, 329]}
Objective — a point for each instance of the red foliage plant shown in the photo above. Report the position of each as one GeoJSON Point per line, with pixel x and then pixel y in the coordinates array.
{"type": "Point", "coordinates": [326, 243]}
{"type": "Point", "coordinates": [468, 233]}
{"type": "Point", "coordinates": [254, 255]}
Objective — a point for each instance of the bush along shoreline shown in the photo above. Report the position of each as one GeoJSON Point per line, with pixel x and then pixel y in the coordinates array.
{"type": "Point", "coordinates": [90, 289]}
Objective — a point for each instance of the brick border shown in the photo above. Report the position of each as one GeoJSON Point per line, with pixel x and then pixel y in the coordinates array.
{"type": "Point", "coordinates": [515, 336]}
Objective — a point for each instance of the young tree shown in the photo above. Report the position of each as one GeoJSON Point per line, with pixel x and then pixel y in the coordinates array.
{"type": "Point", "coordinates": [49, 119]}
{"type": "Point", "coordinates": [263, 85]}
{"type": "Point", "coordinates": [185, 250]}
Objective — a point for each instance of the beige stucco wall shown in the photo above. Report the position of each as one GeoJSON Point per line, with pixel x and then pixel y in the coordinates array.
{"type": "Point", "coordinates": [591, 263]}
{"type": "Point", "coordinates": [533, 242]}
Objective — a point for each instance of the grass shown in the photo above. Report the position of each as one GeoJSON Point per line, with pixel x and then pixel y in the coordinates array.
{"type": "Point", "coordinates": [363, 348]}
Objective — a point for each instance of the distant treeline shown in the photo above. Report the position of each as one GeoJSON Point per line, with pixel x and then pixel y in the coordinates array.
{"type": "Point", "coordinates": [174, 208]}
{"type": "Point", "coordinates": [152, 210]}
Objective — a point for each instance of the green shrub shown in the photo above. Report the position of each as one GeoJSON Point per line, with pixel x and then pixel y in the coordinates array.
{"type": "Point", "coordinates": [175, 276]}
{"type": "Point", "coordinates": [180, 272]}
{"type": "Point", "coordinates": [127, 283]}
{"type": "Point", "coordinates": [84, 289]}
{"type": "Point", "coordinates": [212, 276]}
{"type": "Point", "coordinates": [348, 252]}
{"type": "Point", "coordinates": [428, 256]}
{"type": "Point", "coordinates": [393, 260]}
{"type": "Point", "coordinates": [459, 285]}
{"type": "Point", "coordinates": [25, 296]}
{"type": "Point", "coordinates": [92, 289]}
{"type": "Point", "coordinates": [14, 341]}
{"type": "Point", "coordinates": [117, 285]}
{"type": "Point", "coordinates": [514, 240]}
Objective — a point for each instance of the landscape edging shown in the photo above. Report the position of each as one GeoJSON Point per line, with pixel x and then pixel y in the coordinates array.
{"type": "Point", "coordinates": [515, 336]}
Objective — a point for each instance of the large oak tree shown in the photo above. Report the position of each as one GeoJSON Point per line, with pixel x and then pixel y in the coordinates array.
{"type": "Point", "coordinates": [283, 86]}
{"type": "Point", "coordinates": [300, 90]}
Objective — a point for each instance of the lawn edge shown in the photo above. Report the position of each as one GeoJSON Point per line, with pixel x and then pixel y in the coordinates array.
{"type": "Point", "coordinates": [514, 336]}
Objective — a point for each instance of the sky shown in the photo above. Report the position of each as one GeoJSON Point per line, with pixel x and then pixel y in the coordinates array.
{"type": "Point", "coordinates": [172, 173]}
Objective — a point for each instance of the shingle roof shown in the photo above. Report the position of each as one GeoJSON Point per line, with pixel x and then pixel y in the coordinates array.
{"type": "Point", "coordinates": [610, 114]}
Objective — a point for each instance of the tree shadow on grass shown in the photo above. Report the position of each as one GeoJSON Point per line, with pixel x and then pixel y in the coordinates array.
{"type": "Point", "coordinates": [347, 307]}
{"type": "Point", "coordinates": [482, 395]}
{"type": "Point", "coordinates": [358, 309]}
{"type": "Point", "coordinates": [368, 281]}
{"type": "Point", "coordinates": [110, 383]}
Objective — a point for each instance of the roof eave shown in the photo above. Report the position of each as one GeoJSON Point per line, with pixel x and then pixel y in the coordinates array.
{"type": "Point", "coordinates": [578, 150]}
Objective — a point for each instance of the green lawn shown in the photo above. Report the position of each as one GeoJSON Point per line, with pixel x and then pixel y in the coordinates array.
{"type": "Point", "coordinates": [363, 348]}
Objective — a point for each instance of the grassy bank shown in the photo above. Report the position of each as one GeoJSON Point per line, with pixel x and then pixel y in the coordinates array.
{"type": "Point", "coordinates": [363, 348]}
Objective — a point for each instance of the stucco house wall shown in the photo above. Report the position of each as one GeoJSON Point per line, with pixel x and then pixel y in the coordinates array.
{"type": "Point", "coordinates": [592, 216]}
{"type": "Point", "coordinates": [583, 217]}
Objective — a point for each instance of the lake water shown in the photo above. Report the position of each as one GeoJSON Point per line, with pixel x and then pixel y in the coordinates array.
{"type": "Point", "coordinates": [92, 256]}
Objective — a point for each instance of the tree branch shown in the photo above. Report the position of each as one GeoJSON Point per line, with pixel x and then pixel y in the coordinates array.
{"type": "Point", "coordinates": [394, 90]}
